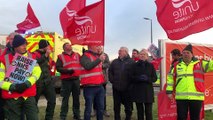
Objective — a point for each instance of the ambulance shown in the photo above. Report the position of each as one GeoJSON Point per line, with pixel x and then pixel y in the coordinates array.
{"type": "Point", "coordinates": [56, 44]}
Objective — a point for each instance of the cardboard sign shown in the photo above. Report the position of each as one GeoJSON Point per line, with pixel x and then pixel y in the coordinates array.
{"type": "Point", "coordinates": [20, 69]}
{"type": "Point", "coordinates": [154, 51]}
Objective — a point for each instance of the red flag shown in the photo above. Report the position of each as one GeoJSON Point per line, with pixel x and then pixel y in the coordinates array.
{"type": "Point", "coordinates": [180, 18]}
{"type": "Point", "coordinates": [20, 31]}
{"type": "Point", "coordinates": [156, 62]}
{"type": "Point", "coordinates": [30, 21]}
{"type": "Point", "coordinates": [67, 14]}
{"type": "Point", "coordinates": [87, 28]}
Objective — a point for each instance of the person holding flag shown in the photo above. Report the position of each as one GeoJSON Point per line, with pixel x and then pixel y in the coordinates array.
{"type": "Point", "coordinates": [92, 80]}
{"type": "Point", "coordinates": [19, 97]}
{"type": "Point", "coordinates": [105, 67]}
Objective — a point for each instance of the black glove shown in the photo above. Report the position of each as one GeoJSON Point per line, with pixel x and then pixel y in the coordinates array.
{"type": "Point", "coordinates": [71, 71]}
{"type": "Point", "coordinates": [143, 77]}
{"type": "Point", "coordinates": [20, 88]}
{"type": "Point", "coordinates": [12, 88]}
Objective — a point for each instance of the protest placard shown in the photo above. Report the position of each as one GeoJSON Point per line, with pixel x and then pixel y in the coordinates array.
{"type": "Point", "coordinates": [154, 51]}
{"type": "Point", "coordinates": [20, 69]}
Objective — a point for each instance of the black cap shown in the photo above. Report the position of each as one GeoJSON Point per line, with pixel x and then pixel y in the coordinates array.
{"type": "Point", "coordinates": [18, 40]}
{"type": "Point", "coordinates": [188, 48]}
{"type": "Point", "coordinates": [43, 43]}
{"type": "Point", "coordinates": [175, 52]}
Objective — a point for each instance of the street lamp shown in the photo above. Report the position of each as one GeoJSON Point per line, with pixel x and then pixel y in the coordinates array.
{"type": "Point", "coordinates": [151, 27]}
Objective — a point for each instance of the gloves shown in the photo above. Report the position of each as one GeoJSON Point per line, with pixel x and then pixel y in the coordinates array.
{"type": "Point", "coordinates": [20, 88]}
{"type": "Point", "coordinates": [143, 77]}
{"type": "Point", "coordinates": [71, 71]}
{"type": "Point", "coordinates": [12, 88]}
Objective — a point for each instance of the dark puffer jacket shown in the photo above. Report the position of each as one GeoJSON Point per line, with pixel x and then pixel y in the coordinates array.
{"type": "Point", "coordinates": [119, 73]}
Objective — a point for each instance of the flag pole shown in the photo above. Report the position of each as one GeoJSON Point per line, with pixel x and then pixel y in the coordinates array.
{"type": "Point", "coordinates": [104, 22]}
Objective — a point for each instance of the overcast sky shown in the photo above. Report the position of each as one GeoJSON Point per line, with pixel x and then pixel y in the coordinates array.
{"type": "Point", "coordinates": [124, 22]}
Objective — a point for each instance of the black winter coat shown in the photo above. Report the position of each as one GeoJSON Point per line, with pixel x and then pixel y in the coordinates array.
{"type": "Point", "coordinates": [142, 87]}
{"type": "Point", "coordinates": [119, 73]}
{"type": "Point", "coordinates": [43, 62]}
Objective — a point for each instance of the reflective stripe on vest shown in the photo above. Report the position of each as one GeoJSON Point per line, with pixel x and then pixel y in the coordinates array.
{"type": "Point", "coordinates": [91, 58]}
{"type": "Point", "coordinates": [199, 71]}
{"type": "Point", "coordinates": [168, 84]}
{"type": "Point", "coordinates": [189, 94]}
{"type": "Point", "coordinates": [31, 91]}
{"type": "Point", "coordinates": [206, 67]}
{"type": "Point", "coordinates": [185, 75]}
{"type": "Point", "coordinates": [71, 62]}
{"type": "Point", "coordinates": [34, 77]}
{"type": "Point", "coordinates": [7, 62]}
{"type": "Point", "coordinates": [75, 68]}
{"type": "Point", "coordinates": [91, 74]}
{"type": "Point", "coordinates": [3, 51]}
{"type": "Point", "coordinates": [2, 70]}
{"type": "Point", "coordinates": [199, 76]}
{"type": "Point", "coordinates": [1, 83]}
{"type": "Point", "coordinates": [96, 67]}
{"type": "Point", "coordinates": [198, 79]}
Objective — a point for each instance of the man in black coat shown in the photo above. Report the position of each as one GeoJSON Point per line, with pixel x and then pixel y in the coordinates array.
{"type": "Point", "coordinates": [118, 76]}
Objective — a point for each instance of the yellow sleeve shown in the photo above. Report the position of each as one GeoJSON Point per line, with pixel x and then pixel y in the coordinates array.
{"type": "Point", "coordinates": [4, 85]}
{"type": "Point", "coordinates": [35, 74]}
{"type": "Point", "coordinates": [207, 65]}
{"type": "Point", "coordinates": [170, 82]}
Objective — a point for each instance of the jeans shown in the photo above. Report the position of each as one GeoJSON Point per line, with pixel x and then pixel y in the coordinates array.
{"type": "Point", "coordinates": [94, 105]}
{"type": "Point", "coordinates": [96, 94]}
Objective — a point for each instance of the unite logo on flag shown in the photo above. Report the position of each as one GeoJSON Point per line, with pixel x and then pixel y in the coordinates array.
{"type": "Point", "coordinates": [28, 26]}
{"type": "Point", "coordinates": [86, 27]}
{"type": "Point", "coordinates": [184, 9]}
{"type": "Point", "coordinates": [68, 13]}
{"type": "Point", "coordinates": [180, 18]}
{"type": "Point", "coordinates": [30, 21]}
{"type": "Point", "coordinates": [83, 29]}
